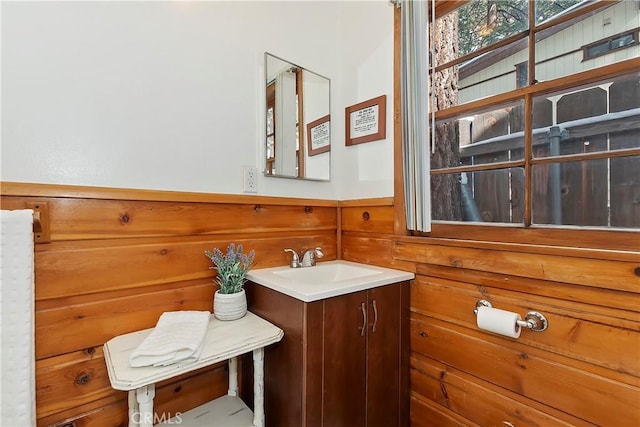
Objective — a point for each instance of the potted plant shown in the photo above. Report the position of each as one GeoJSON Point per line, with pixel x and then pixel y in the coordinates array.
{"type": "Point", "coordinates": [230, 300]}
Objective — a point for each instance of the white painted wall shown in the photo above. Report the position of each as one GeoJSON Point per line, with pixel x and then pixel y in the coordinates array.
{"type": "Point", "coordinates": [365, 54]}
{"type": "Point", "coordinates": [169, 95]}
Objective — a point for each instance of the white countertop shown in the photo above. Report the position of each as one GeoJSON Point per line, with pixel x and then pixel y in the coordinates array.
{"type": "Point", "coordinates": [326, 279]}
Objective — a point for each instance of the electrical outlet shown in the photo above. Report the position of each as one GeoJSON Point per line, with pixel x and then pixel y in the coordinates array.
{"type": "Point", "coordinates": [250, 179]}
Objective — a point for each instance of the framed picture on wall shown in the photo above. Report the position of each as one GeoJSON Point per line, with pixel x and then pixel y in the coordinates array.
{"type": "Point", "coordinates": [319, 135]}
{"type": "Point", "coordinates": [366, 121]}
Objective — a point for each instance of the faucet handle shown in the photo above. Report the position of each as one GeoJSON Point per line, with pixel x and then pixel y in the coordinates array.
{"type": "Point", "coordinates": [295, 260]}
{"type": "Point", "coordinates": [309, 257]}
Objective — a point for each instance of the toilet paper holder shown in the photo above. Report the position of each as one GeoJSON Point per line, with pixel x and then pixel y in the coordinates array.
{"type": "Point", "coordinates": [532, 320]}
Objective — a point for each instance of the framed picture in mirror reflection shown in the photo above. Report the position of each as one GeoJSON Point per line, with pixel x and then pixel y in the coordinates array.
{"type": "Point", "coordinates": [319, 135]}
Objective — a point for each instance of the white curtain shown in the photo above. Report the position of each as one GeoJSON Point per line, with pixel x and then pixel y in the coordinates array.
{"type": "Point", "coordinates": [285, 113]}
{"type": "Point", "coordinates": [415, 114]}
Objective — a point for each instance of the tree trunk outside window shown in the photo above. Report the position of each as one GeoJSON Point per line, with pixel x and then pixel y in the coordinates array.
{"type": "Point", "coordinates": [445, 189]}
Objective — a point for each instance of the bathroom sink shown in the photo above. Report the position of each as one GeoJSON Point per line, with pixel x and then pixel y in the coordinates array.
{"type": "Point", "coordinates": [326, 279]}
{"type": "Point", "coordinates": [327, 272]}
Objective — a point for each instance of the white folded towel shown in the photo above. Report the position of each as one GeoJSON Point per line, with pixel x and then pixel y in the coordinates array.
{"type": "Point", "coordinates": [178, 336]}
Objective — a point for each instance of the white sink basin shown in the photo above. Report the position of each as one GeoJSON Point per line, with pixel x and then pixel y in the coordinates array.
{"type": "Point", "coordinates": [326, 279]}
{"type": "Point", "coordinates": [327, 273]}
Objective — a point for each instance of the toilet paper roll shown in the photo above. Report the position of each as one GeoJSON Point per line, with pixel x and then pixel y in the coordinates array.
{"type": "Point", "coordinates": [499, 321]}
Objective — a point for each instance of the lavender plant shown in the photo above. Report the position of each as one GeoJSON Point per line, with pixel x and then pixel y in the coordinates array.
{"type": "Point", "coordinates": [232, 267]}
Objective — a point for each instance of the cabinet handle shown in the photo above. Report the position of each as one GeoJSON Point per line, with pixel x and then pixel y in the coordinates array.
{"type": "Point", "coordinates": [364, 320]}
{"type": "Point", "coordinates": [375, 316]}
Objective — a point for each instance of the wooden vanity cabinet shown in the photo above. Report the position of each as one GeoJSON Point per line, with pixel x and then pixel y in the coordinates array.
{"type": "Point", "coordinates": [362, 367]}
{"type": "Point", "coordinates": [341, 361]}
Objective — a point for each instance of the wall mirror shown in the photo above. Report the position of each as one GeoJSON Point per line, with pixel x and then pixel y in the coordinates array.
{"type": "Point", "coordinates": [298, 126]}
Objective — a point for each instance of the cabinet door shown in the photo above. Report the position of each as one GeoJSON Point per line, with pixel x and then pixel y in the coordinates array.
{"type": "Point", "coordinates": [383, 356]}
{"type": "Point", "coordinates": [345, 360]}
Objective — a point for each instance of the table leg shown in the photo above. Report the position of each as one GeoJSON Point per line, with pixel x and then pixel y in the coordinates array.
{"type": "Point", "coordinates": [144, 397]}
{"type": "Point", "coordinates": [233, 377]}
{"type": "Point", "coordinates": [133, 408]}
{"type": "Point", "coordinates": [258, 387]}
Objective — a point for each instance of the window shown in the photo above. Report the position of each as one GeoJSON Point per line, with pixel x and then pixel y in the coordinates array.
{"type": "Point", "coordinates": [602, 47]}
{"type": "Point", "coordinates": [550, 142]}
{"type": "Point", "coordinates": [522, 74]}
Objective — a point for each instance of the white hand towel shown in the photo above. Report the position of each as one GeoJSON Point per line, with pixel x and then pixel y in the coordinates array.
{"type": "Point", "coordinates": [17, 366]}
{"type": "Point", "coordinates": [178, 336]}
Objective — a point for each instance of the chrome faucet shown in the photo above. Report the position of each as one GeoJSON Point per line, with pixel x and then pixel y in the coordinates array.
{"type": "Point", "coordinates": [309, 257]}
{"type": "Point", "coordinates": [295, 260]}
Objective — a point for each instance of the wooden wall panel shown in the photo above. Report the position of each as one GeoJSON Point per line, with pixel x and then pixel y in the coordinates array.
{"type": "Point", "coordinates": [103, 275]}
{"type": "Point", "coordinates": [572, 332]}
{"type": "Point", "coordinates": [76, 219]}
{"type": "Point", "coordinates": [91, 323]}
{"type": "Point", "coordinates": [94, 266]}
{"type": "Point", "coordinates": [119, 258]}
{"type": "Point", "coordinates": [372, 249]}
{"type": "Point", "coordinates": [425, 413]}
{"type": "Point", "coordinates": [109, 412]}
{"type": "Point", "coordinates": [583, 370]}
{"type": "Point", "coordinates": [593, 300]}
{"type": "Point", "coordinates": [606, 274]}
{"type": "Point", "coordinates": [481, 235]}
{"type": "Point", "coordinates": [529, 372]}
{"type": "Point", "coordinates": [484, 403]}
{"type": "Point", "coordinates": [71, 379]}
{"type": "Point", "coordinates": [592, 344]}
{"type": "Point", "coordinates": [373, 219]}
{"type": "Point", "coordinates": [172, 398]}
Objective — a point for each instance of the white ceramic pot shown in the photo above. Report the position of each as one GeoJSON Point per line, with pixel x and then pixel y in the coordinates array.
{"type": "Point", "coordinates": [229, 306]}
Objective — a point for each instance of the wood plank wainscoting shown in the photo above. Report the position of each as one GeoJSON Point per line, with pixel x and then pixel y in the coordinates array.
{"type": "Point", "coordinates": [584, 370]}
{"type": "Point", "coordinates": [116, 259]}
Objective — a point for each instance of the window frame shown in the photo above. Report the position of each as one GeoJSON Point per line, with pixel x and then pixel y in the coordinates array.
{"type": "Point", "coordinates": [551, 235]}
{"type": "Point", "coordinates": [585, 48]}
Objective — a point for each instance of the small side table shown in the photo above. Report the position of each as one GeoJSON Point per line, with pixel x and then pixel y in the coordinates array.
{"type": "Point", "coordinates": [225, 340]}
